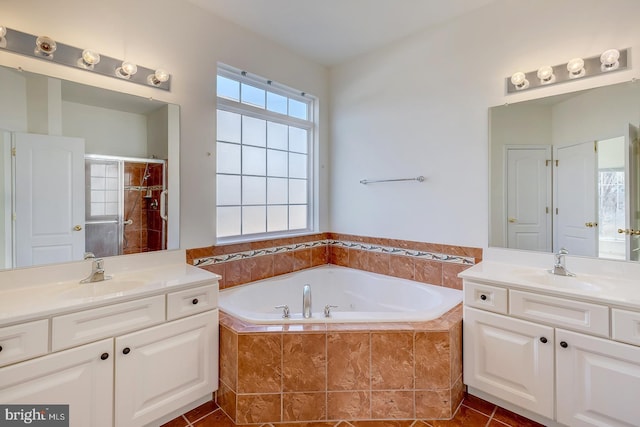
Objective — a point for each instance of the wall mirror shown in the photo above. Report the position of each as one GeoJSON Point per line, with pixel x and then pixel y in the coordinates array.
{"type": "Point", "coordinates": [84, 169]}
{"type": "Point", "coordinates": [564, 173]}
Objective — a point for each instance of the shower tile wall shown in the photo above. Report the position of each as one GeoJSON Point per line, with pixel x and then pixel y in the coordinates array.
{"type": "Point", "coordinates": [145, 233]}
{"type": "Point", "coordinates": [432, 263]}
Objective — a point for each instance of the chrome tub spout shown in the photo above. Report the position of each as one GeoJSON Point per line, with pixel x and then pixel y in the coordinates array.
{"type": "Point", "coordinates": [306, 302]}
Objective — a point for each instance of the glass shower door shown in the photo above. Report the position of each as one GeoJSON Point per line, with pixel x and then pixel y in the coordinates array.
{"type": "Point", "coordinates": [104, 201]}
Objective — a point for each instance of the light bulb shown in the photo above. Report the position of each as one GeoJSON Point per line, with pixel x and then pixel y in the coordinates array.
{"type": "Point", "coordinates": [126, 70]}
{"type": "Point", "coordinates": [45, 46]}
{"type": "Point", "coordinates": [3, 33]}
{"type": "Point", "coordinates": [609, 60]}
{"type": "Point", "coordinates": [89, 59]}
{"type": "Point", "coordinates": [157, 78]}
{"type": "Point", "coordinates": [519, 80]}
{"type": "Point", "coordinates": [545, 74]}
{"type": "Point", "coordinates": [576, 68]}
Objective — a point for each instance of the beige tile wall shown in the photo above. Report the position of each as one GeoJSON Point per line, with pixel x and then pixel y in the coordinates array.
{"type": "Point", "coordinates": [341, 372]}
{"type": "Point", "coordinates": [433, 271]}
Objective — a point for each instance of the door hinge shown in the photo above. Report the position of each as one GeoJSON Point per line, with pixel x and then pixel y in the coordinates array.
{"type": "Point", "coordinates": [13, 151]}
{"type": "Point", "coordinates": [546, 210]}
{"type": "Point", "coordinates": [13, 216]}
{"type": "Point", "coordinates": [556, 211]}
{"type": "Point", "coordinates": [595, 146]}
{"type": "Point", "coordinates": [556, 163]}
{"type": "Point", "coordinates": [546, 162]}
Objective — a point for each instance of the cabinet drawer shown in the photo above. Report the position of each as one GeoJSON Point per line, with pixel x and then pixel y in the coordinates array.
{"type": "Point", "coordinates": [91, 325]}
{"type": "Point", "coordinates": [191, 301]}
{"type": "Point", "coordinates": [21, 342]}
{"type": "Point", "coordinates": [485, 297]}
{"type": "Point", "coordinates": [560, 312]}
{"type": "Point", "coordinates": [626, 326]}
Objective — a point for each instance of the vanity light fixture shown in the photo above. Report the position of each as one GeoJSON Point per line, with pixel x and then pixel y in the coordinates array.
{"type": "Point", "coordinates": [519, 80]}
{"type": "Point", "coordinates": [126, 70]}
{"type": "Point", "coordinates": [157, 78]}
{"type": "Point", "coordinates": [45, 46]}
{"type": "Point", "coordinates": [3, 39]}
{"type": "Point", "coordinates": [575, 67]}
{"type": "Point", "coordinates": [610, 60]}
{"type": "Point", "coordinates": [89, 59]}
{"type": "Point", "coordinates": [545, 74]}
{"type": "Point", "coordinates": [86, 59]}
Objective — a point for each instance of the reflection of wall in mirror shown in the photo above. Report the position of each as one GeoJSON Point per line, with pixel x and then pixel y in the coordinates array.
{"type": "Point", "coordinates": [38, 104]}
{"type": "Point", "coordinates": [596, 114]}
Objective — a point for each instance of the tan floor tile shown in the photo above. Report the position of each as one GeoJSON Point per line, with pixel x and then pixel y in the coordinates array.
{"type": "Point", "coordinates": [465, 417]}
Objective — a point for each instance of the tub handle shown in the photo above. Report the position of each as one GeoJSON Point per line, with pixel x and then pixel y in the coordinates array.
{"type": "Point", "coordinates": [285, 311]}
{"type": "Point", "coordinates": [327, 310]}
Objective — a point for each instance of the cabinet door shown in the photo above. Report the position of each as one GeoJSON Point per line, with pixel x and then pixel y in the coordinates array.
{"type": "Point", "coordinates": [509, 358]}
{"type": "Point", "coordinates": [598, 381]}
{"type": "Point", "coordinates": [163, 368]}
{"type": "Point", "coordinates": [81, 378]}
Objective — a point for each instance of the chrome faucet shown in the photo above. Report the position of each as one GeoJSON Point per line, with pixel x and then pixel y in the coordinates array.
{"type": "Point", "coordinates": [97, 271]}
{"type": "Point", "coordinates": [306, 302]}
{"type": "Point", "coordinates": [559, 268]}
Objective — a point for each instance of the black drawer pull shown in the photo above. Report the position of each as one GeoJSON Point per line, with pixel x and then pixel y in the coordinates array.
{"type": "Point", "coordinates": [0, 348]}
{"type": "Point", "coordinates": [564, 344]}
{"type": "Point", "coordinates": [483, 297]}
{"type": "Point", "coordinates": [543, 340]}
{"type": "Point", "coordinates": [126, 350]}
{"type": "Point", "coordinates": [194, 301]}
{"type": "Point", "coordinates": [104, 356]}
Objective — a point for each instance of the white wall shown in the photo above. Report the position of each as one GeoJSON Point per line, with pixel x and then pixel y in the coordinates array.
{"type": "Point", "coordinates": [13, 101]}
{"type": "Point", "coordinates": [420, 107]}
{"type": "Point", "coordinates": [105, 131]}
{"type": "Point", "coordinates": [188, 42]}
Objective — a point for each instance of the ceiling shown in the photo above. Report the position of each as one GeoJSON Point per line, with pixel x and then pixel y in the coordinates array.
{"type": "Point", "coordinates": [333, 31]}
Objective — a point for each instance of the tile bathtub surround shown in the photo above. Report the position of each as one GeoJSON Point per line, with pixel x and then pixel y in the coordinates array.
{"type": "Point", "coordinates": [327, 372]}
{"type": "Point", "coordinates": [424, 262]}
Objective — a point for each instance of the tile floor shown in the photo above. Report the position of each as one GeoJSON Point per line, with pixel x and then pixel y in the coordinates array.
{"type": "Point", "coordinates": [474, 412]}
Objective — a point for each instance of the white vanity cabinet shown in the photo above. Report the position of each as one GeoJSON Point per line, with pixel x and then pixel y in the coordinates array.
{"type": "Point", "coordinates": [511, 359]}
{"type": "Point", "coordinates": [553, 356]}
{"type": "Point", "coordinates": [125, 364]}
{"type": "Point", "coordinates": [167, 366]}
{"type": "Point", "coordinates": [81, 377]}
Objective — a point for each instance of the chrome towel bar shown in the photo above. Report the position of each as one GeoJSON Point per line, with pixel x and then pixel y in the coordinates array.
{"type": "Point", "coordinates": [368, 181]}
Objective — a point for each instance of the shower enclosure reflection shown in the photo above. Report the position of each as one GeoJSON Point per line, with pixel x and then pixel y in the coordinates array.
{"type": "Point", "coordinates": [123, 205]}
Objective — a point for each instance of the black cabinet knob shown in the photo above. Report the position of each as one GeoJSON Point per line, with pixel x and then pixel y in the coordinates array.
{"type": "Point", "coordinates": [104, 356]}
{"type": "Point", "coordinates": [483, 297]}
{"type": "Point", "coordinates": [0, 348]}
{"type": "Point", "coordinates": [194, 301]}
{"type": "Point", "coordinates": [564, 344]}
{"type": "Point", "coordinates": [543, 340]}
{"type": "Point", "coordinates": [126, 350]}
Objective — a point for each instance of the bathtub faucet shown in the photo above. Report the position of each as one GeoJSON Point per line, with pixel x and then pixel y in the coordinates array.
{"type": "Point", "coordinates": [306, 301]}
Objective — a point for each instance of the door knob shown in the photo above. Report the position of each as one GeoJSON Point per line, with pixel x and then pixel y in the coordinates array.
{"type": "Point", "coordinates": [77, 228]}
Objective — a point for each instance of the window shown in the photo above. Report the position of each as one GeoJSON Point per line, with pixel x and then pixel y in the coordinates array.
{"type": "Point", "coordinates": [264, 157]}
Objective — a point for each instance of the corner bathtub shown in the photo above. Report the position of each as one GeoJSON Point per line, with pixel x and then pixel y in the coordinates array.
{"type": "Point", "coordinates": [360, 296]}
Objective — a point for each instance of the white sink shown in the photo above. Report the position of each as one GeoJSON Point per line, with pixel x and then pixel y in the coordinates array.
{"type": "Point", "coordinates": [578, 282]}
{"type": "Point", "coordinates": [115, 286]}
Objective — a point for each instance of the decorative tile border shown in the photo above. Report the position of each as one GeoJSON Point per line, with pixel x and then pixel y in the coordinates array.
{"type": "Point", "coordinates": [219, 259]}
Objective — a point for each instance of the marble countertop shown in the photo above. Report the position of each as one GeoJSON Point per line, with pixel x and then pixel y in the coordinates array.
{"type": "Point", "coordinates": [40, 292]}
